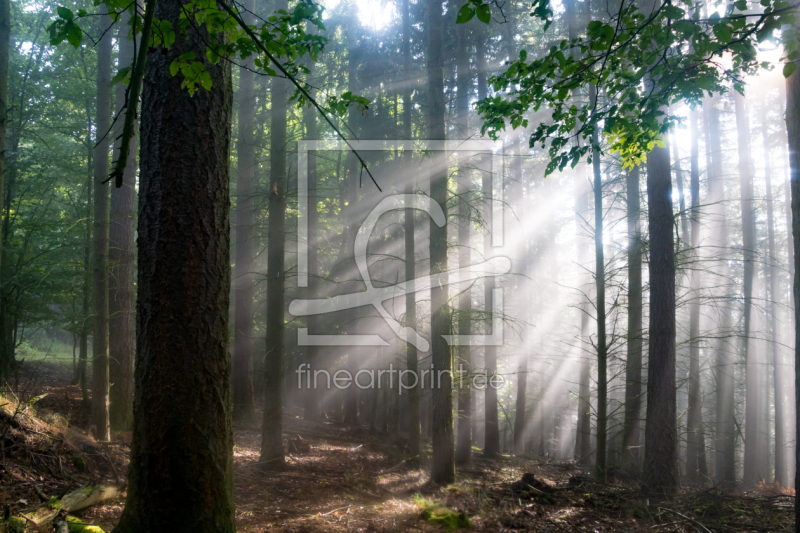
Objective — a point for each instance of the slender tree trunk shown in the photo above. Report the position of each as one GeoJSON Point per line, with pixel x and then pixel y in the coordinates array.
{"type": "Point", "coordinates": [181, 470]}
{"type": "Point", "coordinates": [463, 352]}
{"type": "Point", "coordinates": [83, 350]}
{"type": "Point", "coordinates": [412, 362]}
{"type": "Point", "coordinates": [631, 433]}
{"type": "Point", "coordinates": [5, 46]}
{"type": "Point", "coordinates": [751, 474]}
{"type": "Point", "coordinates": [600, 284]}
{"type": "Point", "coordinates": [681, 195]}
{"type": "Point", "coordinates": [121, 255]}
{"type": "Point", "coordinates": [272, 431]}
{"type": "Point", "coordinates": [100, 421]}
{"type": "Point", "coordinates": [660, 439]}
{"type": "Point", "coordinates": [443, 467]}
{"type": "Point", "coordinates": [243, 401]}
{"type": "Point", "coordinates": [695, 442]}
{"type": "Point", "coordinates": [793, 133]}
{"type": "Point", "coordinates": [781, 446]}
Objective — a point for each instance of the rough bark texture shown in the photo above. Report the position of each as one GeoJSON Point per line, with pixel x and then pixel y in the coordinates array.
{"type": "Point", "coordinates": [272, 431]}
{"type": "Point", "coordinates": [180, 475]}
{"type": "Point", "coordinates": [793, 133]}
{"type": "Point", "coordinates": [243, 402]}
{"type": "Point", "coordinates": [412, 361]}
{"type": "Point", "coordinates": [660, 440]}
{"type": "Point", "coordinates": [443, 467]}
{"type": "Point", "coordinates": [121, 257]}
{"type": "Point", "coordinates": [491, 447]}
{"type": "Point", "coordinates": [631, 431]}
{"type": "Point", "coordinates": [751, 456]}
{"type": "Point", "coordinates": [600, 286]}
{"type": "Point", "coordinates": [100, 425]}
{"type": "Point", "coordinates": [463, 353]}
{"type": "Point", "coordinates": [5, 46]}
{"type": "Point", "coordinates": [695, 442]}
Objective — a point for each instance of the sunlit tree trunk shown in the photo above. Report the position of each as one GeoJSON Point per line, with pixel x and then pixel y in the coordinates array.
{"type": "Point", "coordinates": [443, 467]}
{"type": "Point", "coordinates": [751, 475]}
{"type": "Point", "coordinates": [272, 430]}
{"type": "Point", "coordinates": [243, 402]}
{"type": "Point", "coordinates": [412, 363]}
{"type": "Point", "coordinates": [100, 423]}
{"type": "Point", "coordinates": [181, 469]}
{"type": "Point", "coordinates": [121, 254]}
{"type": "Point", "coordinates": [695, 441]}
{"type": "Point", "coordinates": [660, 440]}
{"type": "Point", "coordinates": [600, 285]}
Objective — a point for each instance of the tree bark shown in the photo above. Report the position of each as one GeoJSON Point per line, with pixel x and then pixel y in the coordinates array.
{"type": "Point", "coordinates": [272, 457]}
{"type": "Point", "coordinates": [100, 422]}
{"type": "Point", "coordinates": [443, 467]}
{"type": "Point", "coordinates": [793, 133]}
{"type": "Point", "coordinates": [243, 401]}
{"type": "Point", "coordinates": [181, 470]}
{"type": "Point", "coordinates": [121, 255]}
{"type": "Point", "coordinates": [5, 46]}
{"type": "Point", "coordinates": [660, 440]}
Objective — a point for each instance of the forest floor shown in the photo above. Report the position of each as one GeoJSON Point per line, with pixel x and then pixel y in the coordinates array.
{"type": "Point", "coordinates": [351, 480]}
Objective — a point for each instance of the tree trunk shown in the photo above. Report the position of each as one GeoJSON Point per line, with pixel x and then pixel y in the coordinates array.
{"type": "Point", "coordinates": [695, 441]}
{"type": "Point", "coordinates": [121, 295]}
{"type": "Point", "coordinates": [243, 401]}
{"type": "Point", "coordinates": [5, 46]}
{"type": "Point", "coordinates": [181, 470]}
{"type": "Point", "coordinates": [272, 431]}
{"type": "Point", "coordinates": [793, 133]}
{"type": "Point", "coordinates": [631, 432]}
{"type": "Point", "coordinates": [100, 425]}
{"type": "Point", "coordinates": [781, 446]}
{"type": "Point", "coordinates": [412, 362]}
{"type": "Point", "coordinates": [660, 439]}
{"type": "Point", "coordinates": [443, 467]}
{"type": "Point", "coordinates": [83, 350]}
{"type": "Point", "coordinates": [463, 352]}
{"type": "Point", "coordinates": [600, 284]}
{"type": "Point", "coordinates": [751, 475]}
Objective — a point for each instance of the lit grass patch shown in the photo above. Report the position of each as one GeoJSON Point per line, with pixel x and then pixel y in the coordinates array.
{"type": "Point", "coordinates": [440, 515]}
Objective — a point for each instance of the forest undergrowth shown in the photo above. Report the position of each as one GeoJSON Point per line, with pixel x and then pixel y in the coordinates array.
{"type": "Point", "coordinates": [349, 479]}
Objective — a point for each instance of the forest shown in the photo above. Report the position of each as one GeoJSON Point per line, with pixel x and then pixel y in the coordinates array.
{"type": "Point", "coordinates": [399, 265]}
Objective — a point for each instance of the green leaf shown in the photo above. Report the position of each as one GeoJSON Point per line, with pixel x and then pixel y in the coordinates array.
{"type": "Point", "coordinates": [465, 14]}
{"type": "Point", "coordinates": [120, 76]}
{"type": "Point", "coordinates": [788, 68]}
{"type": "Point", "coordinates": [74, 35]}
{"type": "Point", "coordinates": [64, 13]}
{"type": "Point", "coordinates": [674, 12]}
{"type": "Point", "coordinates": [741, 5]}
{"type": "Point", "coordinates": [484, 13]}
{"type": "Point", "coordinates": [174, 67]}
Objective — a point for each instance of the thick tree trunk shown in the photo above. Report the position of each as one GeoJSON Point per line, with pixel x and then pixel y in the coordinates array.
{"type": "Point", "coordinates": [272, 430]}
{"type": "Point", "coordinates": [600, 285]}
{"type": "Point", "coordinates": [243, 401]}
{"type": "Point", "coordinates": [793, 133]}
{"type": "Point", "coordinates": [5, 46]}
{"type": "Point", "coordinates": [631, 431]}
{"type": "Point", "coordinates": [695, 442]}
{"type": "Point", "coordinates": [443, 467]}
{"type": "Point", "coordinates": [181, 470]}
{"type": "Point", "coordinates": [752, 400]}
{"type": "Point", "coordinates": [412, 362]}
{"type": "Point", "coordinates": [100, 425]}
{"type": "Point", "coordinates": [463, 352]}
{"type": "Point", "coordinates": [121, 295]}
{"type": "Point", "coordinates": [660, 439]}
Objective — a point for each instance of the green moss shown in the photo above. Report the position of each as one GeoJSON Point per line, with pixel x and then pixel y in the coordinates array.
{"type": "Point", "coordinates": [14, 525]}
{"type": "Point", "coordinates": [76, 526]}
{"type": "Point", "coordinates": [54, 503]}
{"type": "Point", "coordinates": [80, 463]}
{"type": "Point", "coordinates": [442, 516]}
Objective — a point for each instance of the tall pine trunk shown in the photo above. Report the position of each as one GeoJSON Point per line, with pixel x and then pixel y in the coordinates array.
{"type": "Point", "coordinates": [99, 422]}
{"type": "Point", "coordinates": [752, 400]}
{"type": "Point", "coordinates": [121, 255]}
{"type": "Point", "coordinates": [660, 438]}
{"type": "Point", "coordinates": [181, 469]}
{"type": "Point", "coordinates": [243, 401]}
{"type": "Point", "coordinates": [443, 467]}
{"type": "Point", "coordinates": [5, 46]}
{"type": "Point", "coordinates": [272, 430]}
